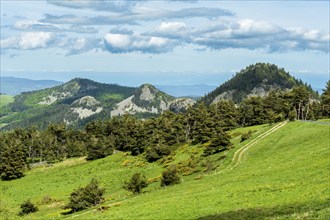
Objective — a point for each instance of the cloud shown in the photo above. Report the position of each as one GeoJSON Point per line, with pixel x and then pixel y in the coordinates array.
{"type": "Point", "coordinates": [134, 18]}
{"type": "Point", "coordinates": [246, 34]}
{"type": "Point", "coordinates": [28, 41]}
{"type": "Point", "coordinates": [30, 25]}
{"type": "Point", "coordinates": [44, 40]}
{"type": "Point", "coordinates": [97, 20]}
{"type": "Point", "coordinates": [81, 45]}
{"type": "Point", "coordinates": [125, 43]}
{"type": "Point", "coordinates": [97, 5]}
{"type": "Point", "coordinates": [204, 12]}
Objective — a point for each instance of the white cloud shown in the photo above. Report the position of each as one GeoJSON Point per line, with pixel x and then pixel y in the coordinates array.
{"type": "Point", "coordinates": [125, 43]}
{"type": "Point", "coordinates": [28, 41]}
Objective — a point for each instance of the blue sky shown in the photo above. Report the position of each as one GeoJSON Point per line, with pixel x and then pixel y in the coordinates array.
{"type": "Point", "coordinates": [164, 42]}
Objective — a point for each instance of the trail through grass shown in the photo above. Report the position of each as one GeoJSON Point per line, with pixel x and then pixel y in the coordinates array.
{"type": "Point", "coordinates": [284, 175]}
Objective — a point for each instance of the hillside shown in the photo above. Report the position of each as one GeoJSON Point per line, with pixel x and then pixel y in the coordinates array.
{"type": "Point", "coordinates": [15, 86]}
{"type": "Point", "coordinates": [80, 101]}
{"type": "Point", "coordinates": [74, 102]}
{"type": "Point", "coordinates": [255, 80]}
{"type": "Point", "coordinates": [277, 177]}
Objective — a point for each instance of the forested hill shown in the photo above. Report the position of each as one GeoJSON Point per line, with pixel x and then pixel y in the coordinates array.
{"type": "Point", "coordinates": [75, 102]}
{"type": "Point", "coordinates": [258, 79]}
{"type": "Point", "coordinates": [80, 101]}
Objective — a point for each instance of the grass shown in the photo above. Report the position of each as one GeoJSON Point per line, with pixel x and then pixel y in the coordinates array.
{"type": "Point", "coordinates": [283, 176]}
{"type": "Point", "coordinates": [5, 100]}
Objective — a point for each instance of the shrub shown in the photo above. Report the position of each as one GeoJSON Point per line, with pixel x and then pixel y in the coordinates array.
{"type": "Point", "coordinates": [136, 183]}
{"type": "Point", "coordinates": [27, 207]}
{"type": "Point", "coordinates": [246, 136]}
{"type": "Point", "coordinates": [170, 177]}
{"type": "Point", "coordinates": [86, 197]}
{"type": "Point", "coordinates": [47, 199]}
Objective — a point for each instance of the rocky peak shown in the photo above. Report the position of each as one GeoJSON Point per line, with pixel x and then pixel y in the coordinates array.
{"type": "Point", "coordinates": [148, 92]}
{"type": "Point", "coordinates": [86, 101]}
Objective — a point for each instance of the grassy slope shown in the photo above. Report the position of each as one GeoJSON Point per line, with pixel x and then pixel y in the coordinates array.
{"type": "Point", "coordinates": [5, 100]}
{"type": "Point", "coordinates": [285, 175]}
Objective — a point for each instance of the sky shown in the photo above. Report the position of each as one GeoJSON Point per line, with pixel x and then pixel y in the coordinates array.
{"type": "Point", "coordinates": [172, 42]}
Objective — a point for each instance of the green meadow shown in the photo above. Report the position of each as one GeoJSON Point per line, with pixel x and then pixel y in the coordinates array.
{"type": "Point", "coordinates": [284, 175]}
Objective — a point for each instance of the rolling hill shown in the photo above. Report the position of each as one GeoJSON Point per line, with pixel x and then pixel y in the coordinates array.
{"type": "Point", "coordinates": [255, 80]}
{"type": "Point", "coordinates": [282, 174]}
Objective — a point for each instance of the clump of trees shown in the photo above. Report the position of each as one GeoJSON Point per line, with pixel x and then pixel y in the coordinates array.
{"type": "Point", "coordinates": [137, 182]}
{"type": "Point", "coordinates": [155, 137]}
{"type": "Point", "coordinates": [88, 196]}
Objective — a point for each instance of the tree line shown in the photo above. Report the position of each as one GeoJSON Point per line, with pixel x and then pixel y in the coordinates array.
{"type": "Point", "coordinates": [155, 137]}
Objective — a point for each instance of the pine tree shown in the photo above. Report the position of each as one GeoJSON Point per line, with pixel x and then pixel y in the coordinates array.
{"type": "Point", "coordinates": [86, 197]}
{"type": "Point", "coordinates": [137, 182]}
{"type": "Point", "coordinates": [13, 156]}
{"type": "Point", "coordinates": [325, 101]}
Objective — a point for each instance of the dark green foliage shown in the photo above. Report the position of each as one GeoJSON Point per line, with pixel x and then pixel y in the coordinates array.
{"type": "Point", "coordinates": [325, 101]}
{"type": "Point", "coordinates": [27, 207]}
{"type": "Point", "coordinates": [86, 197]}
{"type": "Point", "coordinates": [137, 182]}
{"type": "Point", "coordinates": [13, 154]}
{"type": "Point", "coordinates": [246, 136]}
{"type": "Point", "coordinates": [99, 147]}
{"type": "Point", "coordinates": [170, 177]}
{"type": "Point", "coordinates": [154, 153]}
{"type": "Point", "coordinates": [217, 144]}
{"type": "Point", "coordinates": [292, 115]}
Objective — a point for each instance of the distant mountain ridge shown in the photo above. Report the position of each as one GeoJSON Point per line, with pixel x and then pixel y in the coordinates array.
{"type": "Point", "coordinates": [255, 80]}
{"type": "Point", "coordinates": [14, 86]}
{"type": "Point", "coordinates": [81, 100]}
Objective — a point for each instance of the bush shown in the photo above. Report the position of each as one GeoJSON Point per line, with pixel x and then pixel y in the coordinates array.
{"type": "Point", "coordinates": [86, 197]}
{"type": "Point", "coordinates": [292, 115]}
{"type": "Point", "coordinates": [246, 136]}
{"type": "Point", "coordinates": [136, 183]}
{"type": "Point", "coordinates": [170, 177]}
{"type": "Point", "coordinates": [27, 207]}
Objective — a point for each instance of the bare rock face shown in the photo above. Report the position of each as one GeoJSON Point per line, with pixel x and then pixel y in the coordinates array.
{"type": "Point", "coordinates": [86, 101]}
{"type": "Point", "coordinates": [181, 104]}
{"type": "Point", "coordinates": [224, 95]}
{"type": "Point", "coordinates": [146, 94]}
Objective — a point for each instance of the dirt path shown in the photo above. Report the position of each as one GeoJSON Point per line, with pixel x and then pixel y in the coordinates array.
{"type": "Point", "coordinates": [234, 163]}
{"type": "Point", "coordinates": [237, 158]}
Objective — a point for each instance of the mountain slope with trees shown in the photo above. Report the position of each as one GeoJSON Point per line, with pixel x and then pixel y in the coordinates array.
{"type": "Point", "coordinates": [75, 103]}
{"type": "Point", "coordinates": [255, 80]}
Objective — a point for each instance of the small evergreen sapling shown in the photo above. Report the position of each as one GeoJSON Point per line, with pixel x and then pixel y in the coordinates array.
{"type": "Point", "coordinates": [27, 207]}
{"type": "Point", "coordinates": [170, 177]}
{"type": "Point", "coordinates": [137, 182]}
